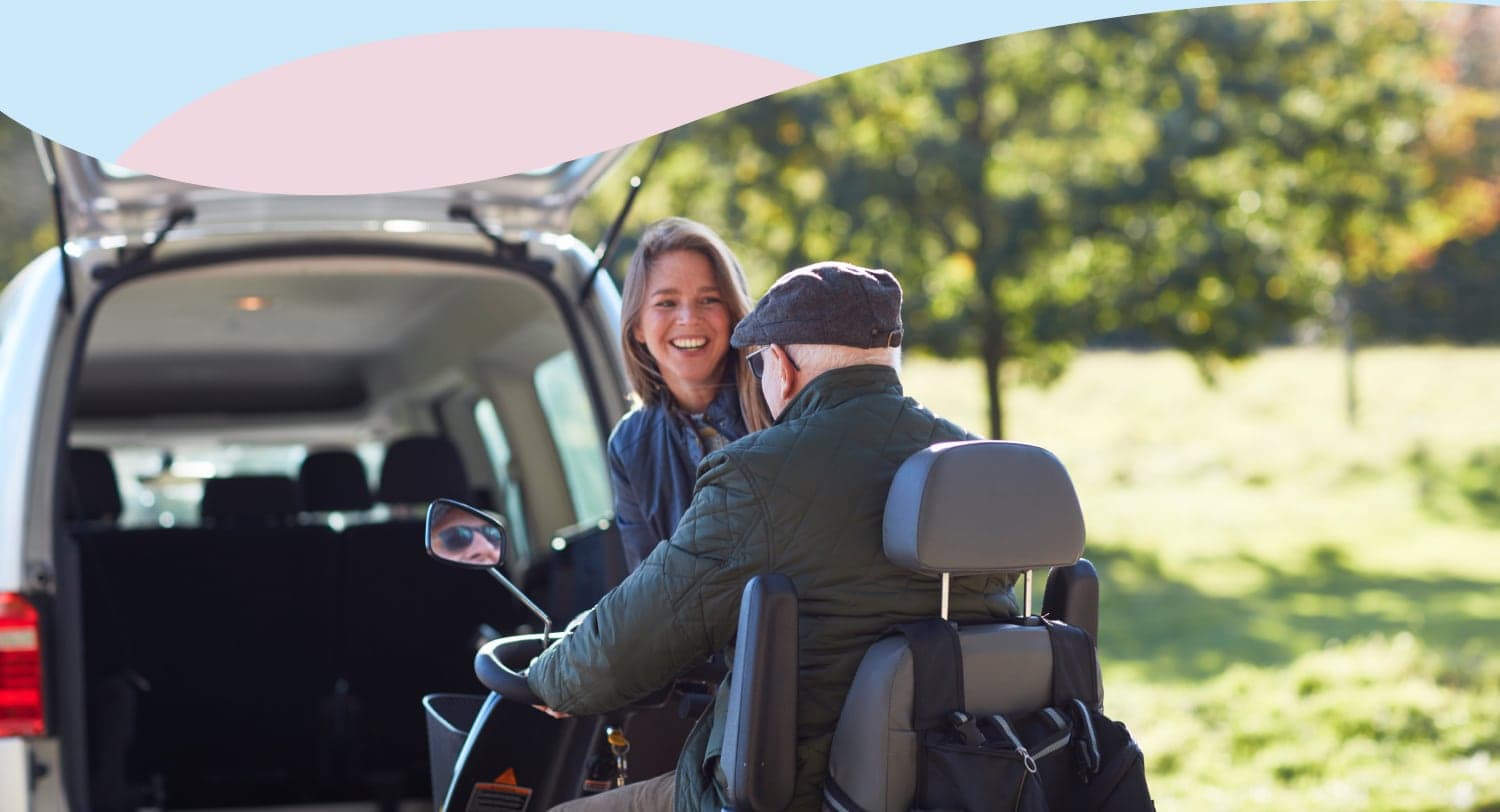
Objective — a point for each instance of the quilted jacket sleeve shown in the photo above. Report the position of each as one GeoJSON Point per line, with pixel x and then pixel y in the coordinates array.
{"type": "Point", "coordinates": [673, 612]}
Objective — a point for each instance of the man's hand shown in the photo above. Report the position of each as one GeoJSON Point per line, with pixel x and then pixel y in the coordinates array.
{"type": "Point", "coordinates": [550, 712]}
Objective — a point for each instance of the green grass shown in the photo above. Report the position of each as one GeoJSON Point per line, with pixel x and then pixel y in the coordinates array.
{"type": "Point", "coordinates": [1297, 613]}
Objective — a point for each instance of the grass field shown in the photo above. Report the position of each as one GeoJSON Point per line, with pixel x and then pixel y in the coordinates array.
{"type": "Point", "coordinates": [1297, 613]}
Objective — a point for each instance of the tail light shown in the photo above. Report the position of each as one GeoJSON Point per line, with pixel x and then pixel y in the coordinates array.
{"type": "Point", "coordinates": [20, 668]}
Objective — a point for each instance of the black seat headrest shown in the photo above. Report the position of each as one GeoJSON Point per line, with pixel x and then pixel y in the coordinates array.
{"type": "Point", "coordinates": [249, 500]}
{"type": "Point", "coordinates": [334, 479]}
{"type": "Point", "coordinates": [421, 469]}
{"type": "Point", "coordinates": [982, 506]}
{"type": "Point", "coordinates": [93, 490]}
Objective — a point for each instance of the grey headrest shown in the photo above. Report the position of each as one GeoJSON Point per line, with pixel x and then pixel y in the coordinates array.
{"type": "Point", "coordinates": [982, 506]}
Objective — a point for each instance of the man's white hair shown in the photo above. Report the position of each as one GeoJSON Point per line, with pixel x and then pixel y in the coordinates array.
{"type": "Point", "coordinates": [815, 359]}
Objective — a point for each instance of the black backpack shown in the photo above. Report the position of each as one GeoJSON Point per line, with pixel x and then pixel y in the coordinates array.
{"type": "Point", "coordinates": [1067, 756]}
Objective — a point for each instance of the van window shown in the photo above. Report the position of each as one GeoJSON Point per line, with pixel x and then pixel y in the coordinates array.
{"type": "Point", "coordinates": [570, 416]}
{"type": "Point", "coordinates": [163, 487]}
{"type": "Point", "coordinates": [498, 449]}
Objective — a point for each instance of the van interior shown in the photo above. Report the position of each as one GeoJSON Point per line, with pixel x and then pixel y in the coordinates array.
{"type": "Point", "coordinates": [251, 448]}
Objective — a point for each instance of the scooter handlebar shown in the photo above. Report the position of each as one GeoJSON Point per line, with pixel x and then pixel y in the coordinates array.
{"type": "Point", "coordinates": [500, 666]}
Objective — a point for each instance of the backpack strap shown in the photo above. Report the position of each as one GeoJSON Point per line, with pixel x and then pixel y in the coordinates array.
{"type": "Point", "coordinates": [937, 700]}
{"type": "Point", "coordinates": [1075, 689]}
{"type": "Point", "coordinates": [1075, 670]}
{"type": "Point", "coordinates": [937, 672]}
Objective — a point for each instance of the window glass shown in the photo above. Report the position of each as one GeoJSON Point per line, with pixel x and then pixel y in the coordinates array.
{"type": "Point", "coordinates": [511, 502]}
{"type": "Point", "coordinates": [163, 487]}
{"type": "Point", "coordinates": [565, 401]}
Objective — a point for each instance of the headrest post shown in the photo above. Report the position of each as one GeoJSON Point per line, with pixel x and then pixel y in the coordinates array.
{"type": "Point", "coordinates": [944, 609]}
{"type": "Point", "coordinates": [1028, 593]}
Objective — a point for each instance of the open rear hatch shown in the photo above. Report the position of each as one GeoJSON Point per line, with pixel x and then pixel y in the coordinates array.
{"type": "Point", "coordinates": [100, 205]}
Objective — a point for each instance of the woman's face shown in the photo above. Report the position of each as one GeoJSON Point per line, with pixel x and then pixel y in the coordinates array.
{"type": "Point", "coordinates": [685, 326]}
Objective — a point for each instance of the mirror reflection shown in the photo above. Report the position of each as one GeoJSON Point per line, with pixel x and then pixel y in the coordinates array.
{"type": "Point", "coordinates": [463, 535]}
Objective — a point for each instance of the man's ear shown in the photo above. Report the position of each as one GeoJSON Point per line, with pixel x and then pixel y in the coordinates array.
{"type": "Point", "coordinates": [789, 375]}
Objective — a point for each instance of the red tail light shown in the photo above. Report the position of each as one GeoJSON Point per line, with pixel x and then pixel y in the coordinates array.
{"type": "Point", "coordinates": [20, 668]}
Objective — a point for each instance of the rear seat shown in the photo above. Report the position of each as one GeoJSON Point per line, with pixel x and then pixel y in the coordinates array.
{"type": "Point", "coordinates": [277, 655]}
{"type": "Point", "coordinates": [227, 633]}
{"type": "Point", "coordinates": [91, 507]}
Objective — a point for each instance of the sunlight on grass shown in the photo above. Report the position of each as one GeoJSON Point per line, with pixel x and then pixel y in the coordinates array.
{"type": "Point", "coordinates": [1297, 612]}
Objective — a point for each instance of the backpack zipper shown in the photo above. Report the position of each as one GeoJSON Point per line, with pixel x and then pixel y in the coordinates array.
{"type": "Point", "coordinates": [1010, 733]}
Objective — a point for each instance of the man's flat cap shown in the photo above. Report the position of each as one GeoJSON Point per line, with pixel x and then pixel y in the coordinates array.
{"type": "Point", "coordinates": [826, 303]}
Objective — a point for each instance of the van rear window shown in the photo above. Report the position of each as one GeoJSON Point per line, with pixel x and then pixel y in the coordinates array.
{"type": "Point", "coordinates": [163, 487]}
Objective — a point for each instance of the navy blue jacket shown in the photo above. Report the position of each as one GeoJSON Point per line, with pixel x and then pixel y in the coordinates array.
{"type": "Point", "coordinates": [654, 453]}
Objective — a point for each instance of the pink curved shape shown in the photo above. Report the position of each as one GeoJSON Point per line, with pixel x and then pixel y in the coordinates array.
{"type": "Point", "coordinates": [449, 108]}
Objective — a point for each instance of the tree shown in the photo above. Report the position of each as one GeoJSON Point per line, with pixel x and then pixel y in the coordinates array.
{"type": "Point", "coordinates": [26, 226]}
{"type": "Point", "coordinates": [1456, 295]}
{"type": "Point", "coordinates": [1205, 178]}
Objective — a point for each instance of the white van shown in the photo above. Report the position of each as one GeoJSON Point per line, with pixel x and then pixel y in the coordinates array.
{"type": "Point", "coordinates": [219, 410]}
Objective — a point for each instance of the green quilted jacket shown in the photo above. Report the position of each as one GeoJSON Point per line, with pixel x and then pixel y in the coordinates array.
{"type": "Point", "coordinates": [806, 498]}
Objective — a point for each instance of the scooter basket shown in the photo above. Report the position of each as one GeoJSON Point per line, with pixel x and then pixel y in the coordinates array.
{"type": "Point", "coordinates": [449, 718]}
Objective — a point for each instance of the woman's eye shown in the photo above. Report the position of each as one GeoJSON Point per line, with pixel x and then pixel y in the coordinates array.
{"type": "Point", "coordinates": [711, 300]}
{"type": "Point", "coordinates": [665, 304]}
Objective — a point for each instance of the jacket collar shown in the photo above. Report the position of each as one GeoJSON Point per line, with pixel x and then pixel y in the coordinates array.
{"type": "Point", "coordinates": [725, 407]}
{"type": "Point", "coordinates": [839, 385]}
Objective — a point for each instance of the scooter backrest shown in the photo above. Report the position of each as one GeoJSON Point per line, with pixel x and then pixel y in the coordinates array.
{"type": "Point", "coordinates": [962, 508]}
{"type": "Point", "coordinates": [982, 506]}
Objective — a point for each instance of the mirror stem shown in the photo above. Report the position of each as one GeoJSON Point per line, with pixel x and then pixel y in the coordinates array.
{"type": "Point", "coordinates": [521, 596]}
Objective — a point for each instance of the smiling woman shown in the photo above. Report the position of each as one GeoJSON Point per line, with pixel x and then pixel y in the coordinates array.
{"type": "Point", "coordinates": [684, 293]}
{"type": "Point", "coordinates": [685, 327]}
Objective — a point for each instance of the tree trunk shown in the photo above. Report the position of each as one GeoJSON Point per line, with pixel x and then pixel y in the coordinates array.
{"type": "Point", "coordinates": [991, 320]}
{"type": "Point", "coordinates": [1343, 314]}
{"type": "Point", "coordinates": [1351, 386]}
{"type": "Point", "coordinates": [993, 355]}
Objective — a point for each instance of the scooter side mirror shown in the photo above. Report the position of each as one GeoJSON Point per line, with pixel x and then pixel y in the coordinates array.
{"type": "Point", "coordinates": [465, 536]}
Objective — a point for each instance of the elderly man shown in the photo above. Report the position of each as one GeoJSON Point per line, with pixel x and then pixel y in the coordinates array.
{"type": "Point", "coordinates": [806, 498]}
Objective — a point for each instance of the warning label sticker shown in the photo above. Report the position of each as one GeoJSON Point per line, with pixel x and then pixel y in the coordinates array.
{"type": "Point", "coordinates": [500, 796]}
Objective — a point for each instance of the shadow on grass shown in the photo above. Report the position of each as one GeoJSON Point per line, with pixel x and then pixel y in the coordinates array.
{"type": "Point", "coordinates": [1169, 624]}
{"type": "Point", "coordinates": [1473, 483]}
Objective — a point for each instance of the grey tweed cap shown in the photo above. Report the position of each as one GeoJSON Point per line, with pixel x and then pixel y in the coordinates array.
{"type": "Point", "coordinates": [826, 303]}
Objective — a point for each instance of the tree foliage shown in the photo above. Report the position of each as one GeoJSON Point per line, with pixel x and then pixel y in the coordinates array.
{"type": "Point", "coordinates": [26, 226]}
{"type": "Point", "coordinates": [1204, 178]}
